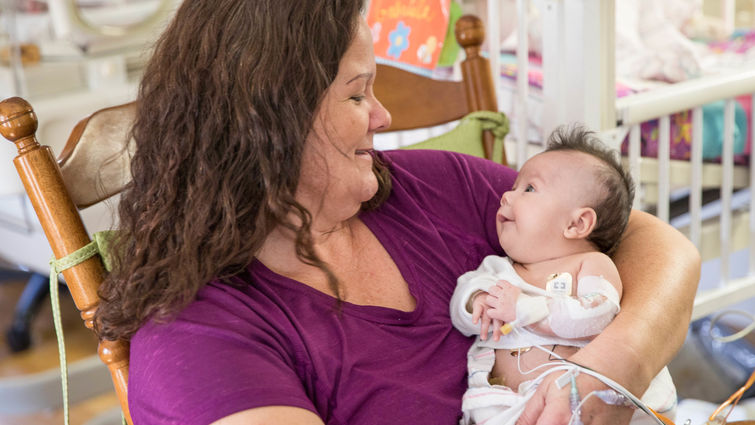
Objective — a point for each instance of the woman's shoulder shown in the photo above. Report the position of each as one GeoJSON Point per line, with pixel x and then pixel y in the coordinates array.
{"type": "Point", "coordinates": [435, 159]}
{"type": "Point", "coordinates": [437, 166]}
{"type": "Point", "coordinates": [223, 338]}
{"type": "Point", "coordinates": [220, 308]}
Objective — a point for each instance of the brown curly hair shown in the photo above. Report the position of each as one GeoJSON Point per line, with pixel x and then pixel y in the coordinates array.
{"type": "Point", "coordinates": [225, 105]}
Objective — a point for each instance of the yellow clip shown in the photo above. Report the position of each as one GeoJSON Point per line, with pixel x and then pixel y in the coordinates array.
{"type": "Point", "coordinates": [506, 328]}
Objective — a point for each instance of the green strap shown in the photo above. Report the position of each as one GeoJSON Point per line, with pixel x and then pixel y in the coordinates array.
{"type": "Point", "coordinates": [496, 122]}
{"type": "Point", "coordinates": [56, 266]}
{"type": "Point", "coordinates": [466, 136]}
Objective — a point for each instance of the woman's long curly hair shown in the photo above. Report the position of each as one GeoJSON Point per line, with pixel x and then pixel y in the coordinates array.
{"type": "Point", "coordinates": [225, 105]}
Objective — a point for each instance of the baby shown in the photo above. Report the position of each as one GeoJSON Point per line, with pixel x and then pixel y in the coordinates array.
{"type": "Point", "coordinates": [557, 288]}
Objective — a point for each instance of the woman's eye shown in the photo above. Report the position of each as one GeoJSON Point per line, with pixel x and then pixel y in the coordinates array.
{"type": "Point", "coordinates": [357, 99]}
{"type": "Point", "coordinates": [529, 188]}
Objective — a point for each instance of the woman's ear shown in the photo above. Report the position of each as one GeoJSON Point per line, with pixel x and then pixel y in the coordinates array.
{"type": "Point", "coordinates": [582, 222]}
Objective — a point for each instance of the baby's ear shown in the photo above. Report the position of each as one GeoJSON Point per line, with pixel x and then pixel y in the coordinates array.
{"type": "Point", "coordinates": [582, 222]}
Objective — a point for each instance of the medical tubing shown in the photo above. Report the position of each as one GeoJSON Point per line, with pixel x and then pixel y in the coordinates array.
{"type": "Point", "coordinates": [735, 336]}
{"type": "Point", "coordinates": [567, 366]}
{"type": "Point", "coordinates": [612, 397]}
{"type": "Point", "coordinates": [734, 398]}
{"type": "Point", "coordinates": [617, 387]}
{"type": "Point", "coordinates": [574, 402]}
{"type": "Point", "coordinates": [604, 379]}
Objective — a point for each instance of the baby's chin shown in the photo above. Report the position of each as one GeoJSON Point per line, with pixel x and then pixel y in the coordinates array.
{"type": "Point", "coordinates": [506, 245]}
{"type": "Point", "coordinates": [515, 252]}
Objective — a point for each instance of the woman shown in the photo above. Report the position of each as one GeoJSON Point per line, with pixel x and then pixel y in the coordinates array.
{"type": "Point", "coordinates": [330, 266]}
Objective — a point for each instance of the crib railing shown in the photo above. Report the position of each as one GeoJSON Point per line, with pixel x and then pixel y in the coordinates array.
{"type": "Point", "coordinates": [719, 229]}
{"type": "Point", "coordinates": [659, 104]}
{"type": "Point", "coordinates": [579, 86]}
{"type": "Point", "coordinates": [578, 65]}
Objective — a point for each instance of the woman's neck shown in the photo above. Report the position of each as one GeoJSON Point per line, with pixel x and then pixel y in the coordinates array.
{"type": "Point", "coordinates": [278, 251]}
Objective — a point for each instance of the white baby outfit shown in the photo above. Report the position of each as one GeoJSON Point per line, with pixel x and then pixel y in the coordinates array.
{"type": "Point", "coordinates": [501, 405]}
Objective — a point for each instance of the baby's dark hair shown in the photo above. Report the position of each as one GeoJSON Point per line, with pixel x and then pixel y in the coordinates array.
{"type": "Point", "coordinates": [613, 210]}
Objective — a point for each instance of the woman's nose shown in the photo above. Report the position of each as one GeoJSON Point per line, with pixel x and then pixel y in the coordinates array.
{"type": "Point", "coordinates": [380, 118]}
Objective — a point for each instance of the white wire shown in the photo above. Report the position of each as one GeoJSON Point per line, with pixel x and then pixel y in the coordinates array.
{"type": "Point", "coordinates": [544, 365]}
{"type": "Point", "coordinates": [567, 366]}
{"type": "Point", "coordinates": [738, 335]}
{"type": "Point", "coordinates": [617, 387]}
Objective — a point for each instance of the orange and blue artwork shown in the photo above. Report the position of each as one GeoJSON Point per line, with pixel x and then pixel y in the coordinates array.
{"type": "Point", "coordinates": [409, 33]}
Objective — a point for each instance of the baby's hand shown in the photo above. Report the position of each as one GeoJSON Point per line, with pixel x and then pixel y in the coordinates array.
{"type": "Point", "coordinates": [501, 301]}
{"type": "Point", "coordinates": [479, 314]}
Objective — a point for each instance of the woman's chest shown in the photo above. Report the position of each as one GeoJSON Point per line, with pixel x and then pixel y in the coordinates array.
{"type": "Point", "coordinates": [369, 365]}
{"type": "Point", "coordinates": [370, 276]}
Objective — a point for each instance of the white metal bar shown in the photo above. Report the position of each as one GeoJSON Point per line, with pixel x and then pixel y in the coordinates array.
{"type": "Point", "coordinates": [607, 62]}
{"type": "Point", "coordinates": [751, 263]}
{"type": "Point", "coordinates": [710, 301]}
{"type": "Point", "coordinates": [727, 185]}
{"type": "Point", "coordinates": [522, 81]}
{"type": "Point", "coordinates": [696, 177]}
{"type": "Point", "coordinates": [634, 163]}
{"type": "Point", "coordinates": [574, 64]}
{"type": "Point", "coordinates": [728, 11]}
{"type": "Point", "coordinates": [664, 150]}
{"type": "Point", "coordinates": [682, 96]}
{"type": "Point", "coordinates": [554, 49]}
{"type": "Point", "coordinates": [494, 43]}
{"type": "Point", "coordinates": [588, 63]}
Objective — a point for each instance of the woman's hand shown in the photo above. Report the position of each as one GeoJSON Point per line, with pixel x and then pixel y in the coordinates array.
{"type": "Point", "coordinates": [550, 405]}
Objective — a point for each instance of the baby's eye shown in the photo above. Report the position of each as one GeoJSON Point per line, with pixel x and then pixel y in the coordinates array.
{"type": "Point", "coordinates": [529, 188]}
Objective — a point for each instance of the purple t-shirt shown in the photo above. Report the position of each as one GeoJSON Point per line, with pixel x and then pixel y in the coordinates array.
{"type": "Point", "coordinates": [275, 341]}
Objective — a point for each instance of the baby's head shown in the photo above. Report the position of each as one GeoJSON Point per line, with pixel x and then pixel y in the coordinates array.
{"type": "Point", "coordinates": [573, 195]}
{"type": "Point", "coordinates": [612, 185]}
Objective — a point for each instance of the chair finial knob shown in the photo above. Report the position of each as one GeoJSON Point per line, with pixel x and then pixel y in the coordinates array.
{"type": "Point", "coordinates": [17, 119]}
{"type": "Point", "coordinates": [470, 31]}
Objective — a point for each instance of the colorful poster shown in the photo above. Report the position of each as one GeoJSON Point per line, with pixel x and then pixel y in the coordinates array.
{"type": "Point", "coordinates": [409, 33]}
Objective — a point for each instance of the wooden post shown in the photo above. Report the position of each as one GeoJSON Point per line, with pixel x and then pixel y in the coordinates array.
{"type": "Point", "coordinates": [62, 225]}
{"type": "Point", "coordinates": [475, 70]}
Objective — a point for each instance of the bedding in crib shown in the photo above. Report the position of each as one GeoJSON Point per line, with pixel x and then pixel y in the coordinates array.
{"type": "Point", "coordinates": [736, 51]}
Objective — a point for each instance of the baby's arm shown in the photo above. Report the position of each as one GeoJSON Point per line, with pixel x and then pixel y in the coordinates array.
{"type": "Point", "coordinates": [594, 306]}
{"type": "Point", "coordinates": [468, 285]}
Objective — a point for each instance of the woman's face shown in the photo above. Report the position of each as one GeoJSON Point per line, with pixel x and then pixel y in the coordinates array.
{"type": "Point", "coordinates": [336, 174]}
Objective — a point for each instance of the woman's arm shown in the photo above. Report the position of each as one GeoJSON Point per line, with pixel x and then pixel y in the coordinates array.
{"type": "Point", "coordinates": [271, 415]}
{"type": "Point", "coordinates": [660, 270]}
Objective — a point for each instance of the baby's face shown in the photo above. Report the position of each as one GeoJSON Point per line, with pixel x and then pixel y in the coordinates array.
{"type": "Point", "coordinates": [535, 213]}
